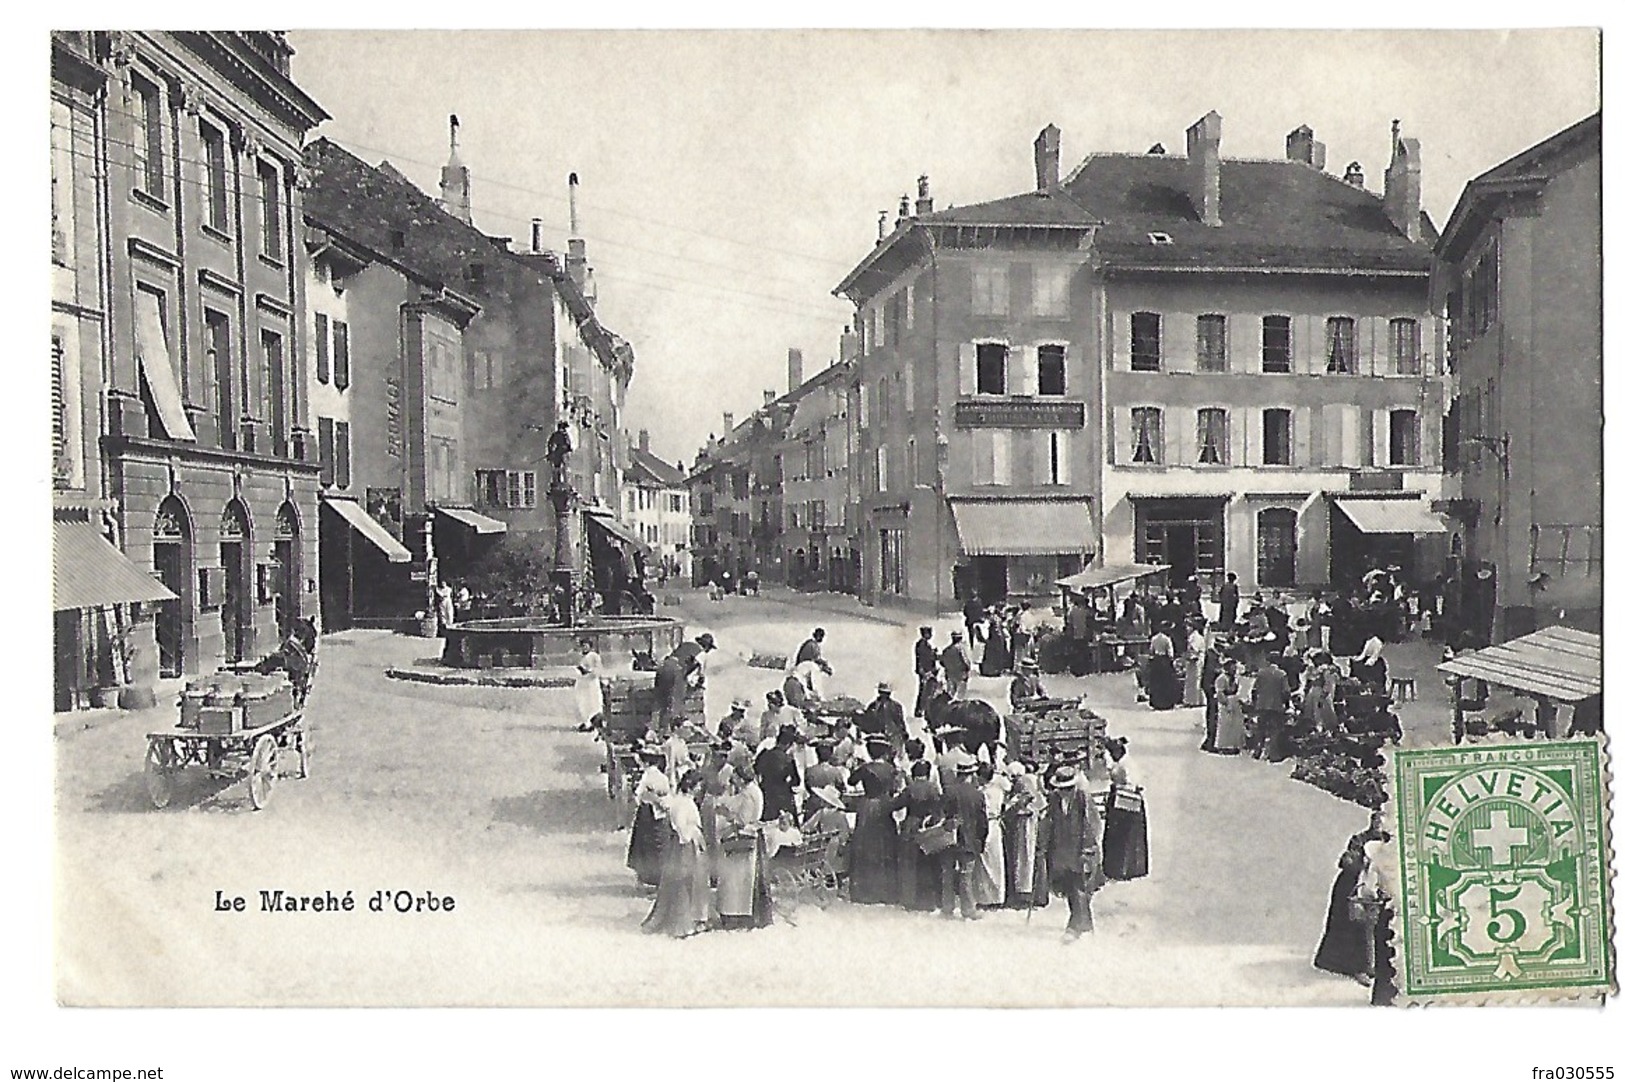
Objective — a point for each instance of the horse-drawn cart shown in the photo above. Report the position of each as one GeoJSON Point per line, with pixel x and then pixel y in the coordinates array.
{"type": "Point", "coordinates": [235, 726]}
{"type": "Point", "coordinates": [1046, 731]}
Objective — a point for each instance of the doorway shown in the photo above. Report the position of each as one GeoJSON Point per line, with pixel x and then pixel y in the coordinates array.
{"type": "Point", "coordinates": [1186, 535]}
{"type": "Point", "coordinates": [236, 600]}
{"type": "Point", "coordinates": [1278, 547]}
{"type": "Point", "coordinates": [286, 550]}
{"type": "Point", "coordinates": [172, 563]}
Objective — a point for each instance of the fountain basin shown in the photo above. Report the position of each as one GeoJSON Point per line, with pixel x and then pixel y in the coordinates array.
{"type": "Point", "coordinates": [522, 642]}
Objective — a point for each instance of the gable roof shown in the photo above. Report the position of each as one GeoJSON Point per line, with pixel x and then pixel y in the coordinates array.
{"type": "Point", "coordinates": [1055, 208]}
{"type": "Point", "coordinates": [1276, 215]}
{"type": "Point", "coordinates": [651, 467]}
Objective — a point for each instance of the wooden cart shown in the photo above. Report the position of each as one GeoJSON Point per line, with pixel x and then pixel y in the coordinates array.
{"type": "Point", "coordinates": [245, 753]}
{"type": "Point", "coordinates": [1043, 733]}
{"type": "Point", "coordinates": [631, 710]}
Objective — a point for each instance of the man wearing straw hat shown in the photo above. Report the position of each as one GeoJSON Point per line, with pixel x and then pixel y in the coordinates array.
{"type": "Point", "coordinates": [964, 804]}
{"type": "Point", "coordinates": [1070, 839]}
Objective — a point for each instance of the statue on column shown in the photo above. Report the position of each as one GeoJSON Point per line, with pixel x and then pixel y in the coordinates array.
{"type": "Point", "coordinates": [559, 449]}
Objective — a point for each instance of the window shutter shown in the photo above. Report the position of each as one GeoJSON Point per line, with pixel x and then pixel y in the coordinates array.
{"type": "Point", "coordinates": [1331, 435]}
{"type": "Point", "coordinates": [1382, 353]}
{"type": "Point", "coordinates": [1179, 341]}
{"type": "Point", "coordinates": [324, 448]}
{"type": "Point", "coordinates": [341, 354]}
{"type": "Point", "coordinates": [1063, 457]}
{"type": "Point", "coordinates": [967, 369]}
{"type": "Point", "coordinates": [1122, 435]}
{"type": "Point", "coordinates": [323, 370]}
{"type": "Point", "coordinates": [1429, 438]}
{"type": "Point", "coordinates": [1122, 342]}
{"type": "Point", "coordinates": [1252, 453]}
{"type": "Point", "coordinates": [1002, 453]}
{"type": "Point", "coordinates": [1023, 370]}
{"type": "Point", "coordinates": [1308, 347]}
{"type": "Point", "coordinates": [1303, 445]}
{"type": "Point", "coordinates": [341, 454]}
{"type": "Point", "coordinates": [1178, 436]}
{"type": "Point", "coordinates": [1246, 341]}
{"type": "Point", "coordinates": [1379, 437]}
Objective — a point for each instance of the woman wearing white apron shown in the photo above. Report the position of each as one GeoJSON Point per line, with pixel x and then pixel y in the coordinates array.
{"type": "Point", "coordinates": [589, 687]}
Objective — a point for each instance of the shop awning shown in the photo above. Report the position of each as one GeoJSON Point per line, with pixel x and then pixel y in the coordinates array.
{"type": "Point", "coordinates": [370, 528]}
{"type": "Point", "coordinates": [1556, 662]}
{"type": "Point", "coordinates": [1023, 527]}
{"type": "Point", "coordinates": [87, 571]}
{"type": "Point", "coordinates": [1390, 516]}
{"type": "Point", "coordinates": [475, 521]}
{"type": "Point", "coordinates": [618, 530]}
{"type": "Point", "coordinates": [1094, 578]}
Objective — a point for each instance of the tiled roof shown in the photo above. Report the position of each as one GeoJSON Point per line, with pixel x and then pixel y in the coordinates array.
{"type": "Point", "coordinates": [1275, 215]}
{"type": "Point", "coordinates": [1028, 208]}
{"type": "Point", "coordinates": [656, 469]}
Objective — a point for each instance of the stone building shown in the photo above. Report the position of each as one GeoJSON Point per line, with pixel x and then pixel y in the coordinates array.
{"type": "Point", "coordinates": [720, 501]}
{"type": "Point", "coordinates": [1519, 271]}
{"type": "Point", "coordinates": [195, 307]}
{"type": "Point", "coordinates": [655, 505]}
{"type": "Point", "coordinates": [816, 553]}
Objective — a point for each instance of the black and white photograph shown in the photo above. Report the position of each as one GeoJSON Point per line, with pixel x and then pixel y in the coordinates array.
{"type": "Point", "coordinates": [807, 518]}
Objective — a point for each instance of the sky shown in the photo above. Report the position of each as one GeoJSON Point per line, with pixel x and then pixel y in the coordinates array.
{"type": "Point", "coordinates": [730, 179]}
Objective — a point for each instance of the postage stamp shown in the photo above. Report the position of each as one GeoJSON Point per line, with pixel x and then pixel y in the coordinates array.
{"type": "Point", "coordinates": [1503, 881]}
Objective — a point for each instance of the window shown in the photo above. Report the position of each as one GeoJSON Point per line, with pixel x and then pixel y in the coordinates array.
{"type": "Point", "coordinates": [1278, 344]}
{"type": "Point", "coordinates": [441, 370]}
{"type": "Point", "coordinates": [877, 320]}
{"type": "Point", "coordinates": [1278, 437]}
{"type": "Point", "coordinates": [908, 392]}
{"type": "Point", "coordinates": [341, 454]}
{"type": "Point", "coordinates": [990, 291]}
{"type": "Point", "coordinates": [1145, 342]}
{"type": "Point", "coordinates": [521, 488]}
{"type": "Point", "coordinates": [61, 463]}
{"type": "Point", "coordinates": [490, 487]}
{"type": "Point", "coordinates": [880, 469]}
{"type": "Point", "coordinates": [270, 210]}
{"type": "Point", "coordinates": [883, 401]}
{"type": "Point", "coordinates": [1050, 288]}
{"type": "Point", "coordinates": [991, 455]}
{"type": "Point", "coordinates": [1340, 345]}
{"type": "Point", "coordinates": [217, 346]}
{"type": "Point", "coordinates": [149, 140]}
{"type": "Point", "coordinates": [674, 501]}
{"type": "Point", "coordinates": [1484, 291]}
{"type": "Point", "coordinates": [324, 368]}
{"type": "Point", "coordinates": [1212, 437]}
{"type": "Point", "coordinates": [992, 362]}
{"type": "Point", "coordinates": [1146, 435]}
{"type": "Point", "coordinates": [1052, 369]}
{"type": "Point", "coordinates": [908, 307]}
{"type": "Point", "coordinates": [1405, 346]}
{"type": "Point", "coordinates": [1056, 451]}
{"type": "Point", "coordinates": [1404, 438]}
{"type": "Point", "coordinates": [341, 354]}
{"type": "Point", "coordinates": [1211, 355]}
{"type": "Point", "coordinates": [324, 448]}
{"type": "Point", "coordinates": [1559, 550]}
{"type": "Point", "coordinates": [894, 317]}
{"type": "Point", "coordinates": [278, 392]}
{"type": "Point", "coordinates": [214, 175]}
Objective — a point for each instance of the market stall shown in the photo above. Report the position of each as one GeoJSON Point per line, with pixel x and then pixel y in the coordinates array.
{"type": "Point", "coordinates": [1558, 668]}
{"type": "Point", "coordinates": [1096, 647]}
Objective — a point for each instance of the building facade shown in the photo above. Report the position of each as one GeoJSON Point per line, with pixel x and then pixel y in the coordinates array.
{"type": "Point", "coordinates": [976, 400]}
{"type": "Point", "coordinates": [1274, 381]}
{"type": "Point", "coordinates": [720, 502]}
{"type": "Point", "coordinates": [202, 421]}
{"type": "Point", "coordinates": [655, 504]}
{"type": "Point", "coordinates": [816, 551]}
{"type": "Point", "coordinates": [1519, 272]}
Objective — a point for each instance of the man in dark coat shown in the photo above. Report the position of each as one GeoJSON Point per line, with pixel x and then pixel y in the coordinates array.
{"type": "Point", "coordinates": [884, 717]}
{"type": "Point", "coordinates": [925, 670]}
{"type": "Point", "coordinates": [1210, 696]}
{"type": "Point", "coordinates": [963, 802]}
{"type": "Point", "coordinates": [813, 650]}
{"type": "Point", "coordinates": [777, 775]}
{"type": "Point", "coordinates": [956, 665]}
{"type": "Point", "coordinates": [1271, 699]}
{"type": "Point", "coordinates": [974, 615]}
{"type": "Point", "coordinates": [672, 677]}
{"type": "Point", "coordinates": [1069, 837]}
{"type": "Point", "coordinates": [1229, 602]}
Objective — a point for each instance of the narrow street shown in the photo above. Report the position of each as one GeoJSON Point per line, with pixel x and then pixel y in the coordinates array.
{"type": "Point", "coordinates": [490, 796]}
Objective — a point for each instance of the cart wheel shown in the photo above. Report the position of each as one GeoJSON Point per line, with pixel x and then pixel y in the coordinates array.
{"type": "Point", "coordinates": [262, 772]}
{"type": "Point", "coordinates": [160, 785]}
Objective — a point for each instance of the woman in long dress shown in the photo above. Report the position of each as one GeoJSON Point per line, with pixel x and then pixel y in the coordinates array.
{"type": "Point", "coordinates": [1195, 654]}
{"type": "Point", "coordinates": [996, 652]}
{"type": "Point", "coordinates": [649, 821]}
{"type": "Point", "coordinates": [1319, 692]}
{"type": "Point", "coordinates": [1369, 668]}
{"type": "Point", "coordinates": [742, 898]}
{"type": "Point", "coordinates": [1161, 682]}
{"type": "Point", "coordinates": [1124, 851]}
{"type": "Point", "coordinates": [873, 864]}
{"type": "Point", "coordinates": [1345, 943]}
{"type": "Point", "coordinates": [987, 882]}
{"type": "Point", "coordinates": [683, 901]}
{"type": "Point", "coordinates": [1231, 733]}
{"type": "Point", "coordinates": [589, 687]}
{"type": "Point", "coordinates": [1021, 811]}
{"type": "Point", "coordinates": [919, 879]}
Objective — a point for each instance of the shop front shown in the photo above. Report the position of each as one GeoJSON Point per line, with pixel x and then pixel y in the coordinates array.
{"type": "Point", "coordinates": [1017, 549]}
{"type": "Point", "coordinates": [1386, 531]}
{"type": "Point", "coordinates": [1183, 533]}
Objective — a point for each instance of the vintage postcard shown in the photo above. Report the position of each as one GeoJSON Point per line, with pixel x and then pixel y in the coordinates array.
{"type": "Point", "coordinates": [828, 518]}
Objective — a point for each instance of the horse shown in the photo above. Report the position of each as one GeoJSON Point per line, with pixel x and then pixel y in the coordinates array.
{"type": "Point", "coordinates": [980, 720]}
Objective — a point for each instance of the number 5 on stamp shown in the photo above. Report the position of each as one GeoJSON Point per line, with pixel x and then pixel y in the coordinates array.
{"type": "Point", "coordinates": [1503, 873]}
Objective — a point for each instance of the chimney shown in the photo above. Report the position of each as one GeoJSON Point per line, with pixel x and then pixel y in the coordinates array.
{"type": "Point", "coordinates": [1047, 158]}
{"type": "Point", "coordinates": [455, 194]}
{"type": "Point", "coordinates": [794, 369]}
{"type": "Point", "coordinates": [575, 263]}
{"type": "Point", "coordinates": [1354, 175]}
{"type": "Point", "coordinates": [643, 440]}
{"type": "Point", "coordinates": [1302, 147]}
{"type": "Point", "coordinates": [880, 233]}
{"type": "Point", "coordinates": [1202, 165]}
{"type": "Point", "coordinates": [922, 200]}
{"type": "Point", "coordinates": [727, 424]}
{"type": "Point", "coordinates": [768, 396]}
{"type": "Point", "coordinates": [1402, 186]}
{"type": "Point", "coordinates": [536, 235]}
{"type": "Point", "coordinates": [902, 209]}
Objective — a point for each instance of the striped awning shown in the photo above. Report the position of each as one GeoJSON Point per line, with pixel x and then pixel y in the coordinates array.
{"type": "Point", "coordinates": [1094, 578]}
{"type": "Point", "coordinates": [1556, 662]}
{"type": "Point", "coordinates": [613, 526]}
{"type": "Point", "coordinates": [87, 572]}
{"type": "Point", "coordinates": [1390, 516]}
{"type": "Point", "coordinates": [475, 521]}
{"type": "Point", "coordinates": [370, 528]}
{"type": "Point", "coordinates": [1023, 527]}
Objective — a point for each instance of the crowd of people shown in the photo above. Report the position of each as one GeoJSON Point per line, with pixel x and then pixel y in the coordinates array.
{"type": "Point", "coordinates": [899, 811]}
